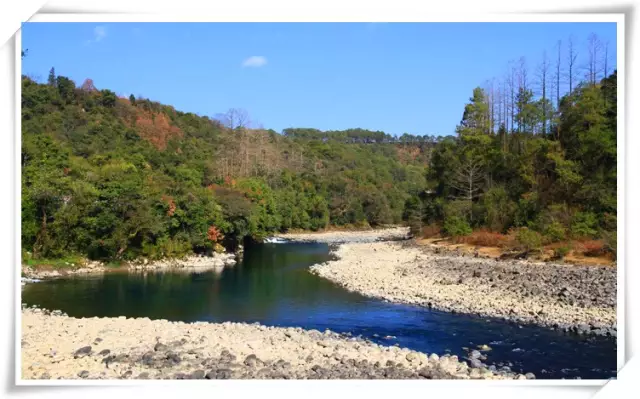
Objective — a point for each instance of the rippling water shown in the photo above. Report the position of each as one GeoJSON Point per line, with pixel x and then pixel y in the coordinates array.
{"type": "Point", "coordinates": [272, 285]}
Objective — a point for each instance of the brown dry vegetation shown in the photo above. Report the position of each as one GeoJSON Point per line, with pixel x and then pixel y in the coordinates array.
{"type": "Point", "coordinates": [156, 128]}
{"type": "Point", "coordinates": [494, 245]}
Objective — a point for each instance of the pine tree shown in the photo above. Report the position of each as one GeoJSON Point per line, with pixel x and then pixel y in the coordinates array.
{"type": "Point", "coordinates": [475, 119]}
{"type": "Point", "coordinates": [52, 77]}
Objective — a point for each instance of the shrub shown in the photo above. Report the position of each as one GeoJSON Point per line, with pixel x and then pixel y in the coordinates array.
{"type": "Point", "coordinates": [526, 209]}
{"type": "Point", "coordinates": [593, 248]}
{"type": "Point", "coordinates": [555, 232]}
{"type": "Point", "coordinates": [415, 227]}
{"type": "Point", "coordinates": [499, 209]}
{"type": "Point", "coordinates": [584, 224]}
{"type": "Point", "coordinates": [456, 226]}
{"type": "Point", "coordinates": [485, 238]}
{"type": "Point", "coordinates": [528, 240]}
{"type": "Point", "coordinates": [561, 252]}
{"type": "Point", "coordinates": [459, 209]}
{"type": "Point", "coordinates": [362, 224]}
{"type": "Point", "coordinates": [218, 248]}
{"type": "Point", "coordinates": [26, 256]}
{"type": "Point", "coordinates": [609, 222]}
{"type": "Point", "coordinates": [610, 242]}
{"type": "Point", "coordinates": [558, 213]}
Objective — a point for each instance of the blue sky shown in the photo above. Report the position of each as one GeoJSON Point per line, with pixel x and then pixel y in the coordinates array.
{"type": "Point", "coordinates": [395, 77]}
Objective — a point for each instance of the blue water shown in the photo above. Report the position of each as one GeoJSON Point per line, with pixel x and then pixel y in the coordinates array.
{"type": "Point", "coordinates": [272, 285]}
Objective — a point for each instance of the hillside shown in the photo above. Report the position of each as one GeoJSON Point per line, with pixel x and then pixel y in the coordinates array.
{"type": "Point", "coordinates": [116, 178]}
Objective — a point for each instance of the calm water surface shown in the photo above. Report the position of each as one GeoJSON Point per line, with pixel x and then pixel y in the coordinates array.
{"type": "Point", "coordinates": [273, 286]}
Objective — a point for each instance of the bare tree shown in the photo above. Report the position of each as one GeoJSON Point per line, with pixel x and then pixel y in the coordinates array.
{"type": "Point", "coordinates": [605, 59]}
{"type": "Point", "coordinates": [467, 179]}
{"type": "Point", "coordinates": [491, 102]}
{"type": "Point", "coordinates": [543, 73]}
{"type": "Point", "coordinates": [558, 73]}
{"type": "Point", "coordinates": [523, 86]}
{"type": "Point", "coordinates": [572, 56]}
{"type": "Point", "coordinates": [505, 102]}
{"type": "Point", "coordinates": [498, 101]}
{"type": "Point", "coordinates": [512, 90]}
{"type": "Point", "coordinates": [593, 68]}
{"type": "Point", "coordinates": [235, 118]}
{"type": "Point", "coordinates": [523, 82]}
{"type": "Point", "coordinates": [88, 85]}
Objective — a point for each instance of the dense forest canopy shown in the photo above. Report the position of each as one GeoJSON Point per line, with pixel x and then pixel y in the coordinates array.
{"type": "Point", "coordinates": [112, 178]}
{"type": "Point", "coordinates": [119, 178]}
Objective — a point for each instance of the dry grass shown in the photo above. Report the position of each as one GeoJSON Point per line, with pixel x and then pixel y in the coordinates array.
{"type": "Point", "coordinates": [486, 238]}
{"type": "Point", "coordinates": [431, 231]}
{"type": "Point", "coordinates": [493, 245]}
{"type": "Point", "coordinates": [591, 248]}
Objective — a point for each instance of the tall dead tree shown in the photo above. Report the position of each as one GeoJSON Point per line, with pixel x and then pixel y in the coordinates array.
{"type": "Point", "coordinates": [498, 102]}
{"type": "Point", "coordinates": [491, 109]}
{"type": "Point", "coordinates": [523, 86]}
{"type": "Point", "coordinates": [593, 68]}
{"type": "Point", "coordinates": [505, 101]}
{"type": "Point", "coordinates": [523, 78]}
{"type": "Point", "coordinates": [512, 97]}
{"type": "Point", "coordinates": [468, 179]}
{"type": "Point", "coordinates": [572, 56]}
{"type": "Point", "coordinates": [492, 96]}
{"type": "Point", "coordinates": [605, 59]}
{"type": "Point", "coordinates": [543, 73]}
{"type": "Point", "coordinates": [558, 73]}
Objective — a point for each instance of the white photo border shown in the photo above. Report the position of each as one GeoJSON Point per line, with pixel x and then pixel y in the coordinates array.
{"type": "Point", "coordinates": [349, 14]}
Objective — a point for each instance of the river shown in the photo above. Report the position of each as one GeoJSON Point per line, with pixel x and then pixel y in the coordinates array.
{"type": "Point", "coordinates": [272, 286]}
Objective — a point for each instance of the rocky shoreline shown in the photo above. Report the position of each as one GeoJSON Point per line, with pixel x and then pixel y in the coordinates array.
{"type": "Point", "coordinates": [579, 299]}
{"type": "Point", "coordinates": [341, 237]}
{"type": "Point", "coordinates": [55, 346]}
{"type": "Point", "coordinates": [190, 263]}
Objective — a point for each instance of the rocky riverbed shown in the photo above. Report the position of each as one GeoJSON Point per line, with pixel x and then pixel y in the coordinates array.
{"type": "Point", "coordinates": [55, 346]}
{"type": "Point", "coordinates": [579, 299]}
{"type": "Point", "coordinates": [339, 237]}
{"type": "Point", "coordinates": [190, 263]}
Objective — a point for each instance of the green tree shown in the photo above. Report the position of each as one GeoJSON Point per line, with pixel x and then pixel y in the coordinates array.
{"type": "Point", "coordinates": [52, 77]}
{"type": "Point", "coordinates": [475, 118]}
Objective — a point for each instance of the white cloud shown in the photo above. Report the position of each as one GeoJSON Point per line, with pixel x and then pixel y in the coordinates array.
{"type": "Point", "coordinates": [255, 61]}
{"type": "Point", "coordinates": [100, 32]}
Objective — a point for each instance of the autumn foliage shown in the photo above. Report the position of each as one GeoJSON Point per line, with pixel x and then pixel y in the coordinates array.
{"type": "Point", "coordinates": [156, 128]}
{"type": "Point", "coordinates": [171, 203]}
{"type": "Point", "coordinates": [214, 235]}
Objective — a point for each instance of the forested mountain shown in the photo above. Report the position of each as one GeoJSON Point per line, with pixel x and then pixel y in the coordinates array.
{"type": "Point", "coordinates": [119, 178]}
{"type": "Point", "coordinates": [111, 177]}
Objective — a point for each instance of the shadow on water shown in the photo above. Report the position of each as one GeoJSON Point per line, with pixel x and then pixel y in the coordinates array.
{"type": "Point", "coordinates": [273, 286]}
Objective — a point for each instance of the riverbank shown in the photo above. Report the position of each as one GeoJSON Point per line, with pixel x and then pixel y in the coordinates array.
{"type": "Point", "coordinates": [191, 263]}
{"type": "Point", "coordinates": [55, 346]}
{"type": "Point", "coordinates": [574, 298]}
{"type": "Point", "coordinates": [342, 236]}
